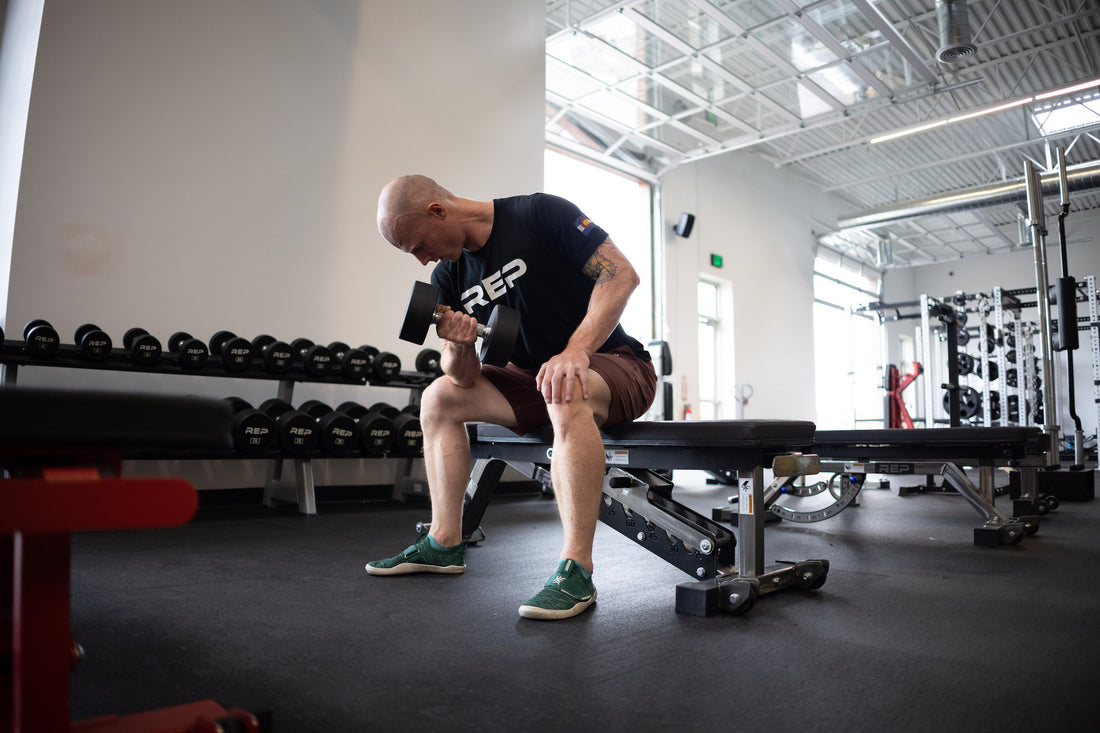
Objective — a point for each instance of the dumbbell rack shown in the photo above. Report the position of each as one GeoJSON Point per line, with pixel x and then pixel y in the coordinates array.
{"type": "Point", "coordinates": [299, 488]}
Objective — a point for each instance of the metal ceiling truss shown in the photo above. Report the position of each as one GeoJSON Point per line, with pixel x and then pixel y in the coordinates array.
{"type": "Point", "coordinates": [808, 86]}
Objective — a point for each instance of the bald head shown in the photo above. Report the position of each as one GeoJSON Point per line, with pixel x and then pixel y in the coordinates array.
{"type": "Point", "coordinates": [407, 195]}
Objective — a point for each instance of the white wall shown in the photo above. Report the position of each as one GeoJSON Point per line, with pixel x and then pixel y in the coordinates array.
{"type": "Point", "coordinates": [1015, 270]}
{"type": "Point", "coordinates": [760, 220]}
{"type": "Point", "coordinates": [209, 165]}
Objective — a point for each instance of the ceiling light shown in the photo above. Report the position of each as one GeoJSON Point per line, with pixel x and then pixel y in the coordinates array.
{"type": "Point", "coordinates": [990, 110]}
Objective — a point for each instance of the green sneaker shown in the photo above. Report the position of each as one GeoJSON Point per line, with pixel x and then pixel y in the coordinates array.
{"type": "Point", "coordinates": [421, 557]}
{"type": "Point", "coordinates": [566, 594]}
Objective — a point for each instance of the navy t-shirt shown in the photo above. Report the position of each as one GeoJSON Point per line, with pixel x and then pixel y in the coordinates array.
{"type": "Point", "coordinates": [534, 262]}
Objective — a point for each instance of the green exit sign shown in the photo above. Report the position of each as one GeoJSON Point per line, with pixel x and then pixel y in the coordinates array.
{"type": "Point", "coordinates": [715, 260]}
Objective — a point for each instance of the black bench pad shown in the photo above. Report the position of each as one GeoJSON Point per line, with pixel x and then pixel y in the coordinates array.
{"type": "Point", "coordinates": [708, 445]}
{"type": "Point", "coordinates": [931, 443]}
{"type": "Point", "coordinates": [784, 433]}
{"type": "Point", "coordinates": [52, 418]}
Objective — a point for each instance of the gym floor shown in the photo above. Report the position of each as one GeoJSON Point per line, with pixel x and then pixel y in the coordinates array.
{"type": "Point", "coordinates": [915, 629]}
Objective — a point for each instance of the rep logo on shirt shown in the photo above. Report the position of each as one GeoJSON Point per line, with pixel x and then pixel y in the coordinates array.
{"type": "Point", "coordinates": [583, 224]}
{"type": "Point", "coordinates": [494, 286]}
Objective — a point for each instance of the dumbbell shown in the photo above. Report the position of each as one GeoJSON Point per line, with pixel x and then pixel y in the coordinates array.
{"type": "Point", "coordinates": [351, 363]}
{"type": "Point", "coordinates": [40, 338]}
{"type": "Point", "coordinates": [276, 355]}
{"type": "Point", "coordinates": [429, 361]}
{"type": "Point", "coordinates": [409, 436]}
{"type": "Point", "coordinates": [297, 431]}
{"type": "Point", "coordinates": [498, 337]}
{"type": "Point", "coordinates": [144, 348]}
{"type": "Point", "coordinates": [376, 431]}
{"type": "Point", "coordinates": [253, 431]}
{"type": "Point", "coordinates": [190, 352]}
{"type": "Point", "coordinates": [316, 360]}
{"type": "Point", "coordinates": [92, 342]}
{"type": "Point", "coordinates": [337, 430]}
{"type": "Point", "coordinates": [235, 352]}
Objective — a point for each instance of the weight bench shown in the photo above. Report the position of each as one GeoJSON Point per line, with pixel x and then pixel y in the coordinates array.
{"type": "Point", "coordinates": [61, 453]}
{"type": "Point", "coordinates": [852, 454]}
{"type": "Point", "coordinates": [637, 498]}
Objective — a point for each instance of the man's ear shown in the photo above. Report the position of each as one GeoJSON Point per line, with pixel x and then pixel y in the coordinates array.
{"type": "Point", "coordinates": [437, 210]}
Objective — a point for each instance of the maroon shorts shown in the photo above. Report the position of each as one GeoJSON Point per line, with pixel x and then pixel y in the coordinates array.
{"type": "Point", "coordinates": [632, 381]}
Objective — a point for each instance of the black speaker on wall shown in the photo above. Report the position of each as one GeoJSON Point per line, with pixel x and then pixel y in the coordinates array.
{"type": "Point", "coordinates": [683, 227]}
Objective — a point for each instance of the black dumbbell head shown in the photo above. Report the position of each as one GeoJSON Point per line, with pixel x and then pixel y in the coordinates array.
{"type": "Point", "coordinates": [429, 361]}
{"type": "Point", "coordinates": [144, 348]}
{"type": "Point", "coordinates": [40, 338]}
{"type": "Point", "coordinates": [376, 434]}
{"type": "Point", "coordinates": [352, 363]}
{"type": "Point", "coordinates": [297, 431]}
{"type": "Point", "coordinates": [253, 431]}
{"type": "Point", "coordinates": [92, 342]}
{"type": "Point", "coordinates": [338, 433]}
{"type": "Point", "coordinates": [409, 437]}
{"type": "Point", "coordinates": [276, 355]}
{"type": "Point", "coordinates": [419, 313]}
{"type": "Point", "coordinates": [235, 352]}
{"type": "Point", "coordinates": [190, 352]}
{"type": "Point", "coordinates": [503, 330]}
{"type": "Point", "coordinates": [386, 366]}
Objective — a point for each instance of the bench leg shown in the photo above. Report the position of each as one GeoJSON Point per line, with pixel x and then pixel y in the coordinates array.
{"type": "Point", "coordinates": [484, 478]}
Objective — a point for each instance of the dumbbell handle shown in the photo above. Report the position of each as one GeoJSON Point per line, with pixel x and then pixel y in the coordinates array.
{"type": "Point", "coordinates": [482, 330]}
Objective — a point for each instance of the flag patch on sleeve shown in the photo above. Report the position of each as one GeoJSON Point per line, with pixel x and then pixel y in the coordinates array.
{"type": "Point", "coordinates": [583, 224]}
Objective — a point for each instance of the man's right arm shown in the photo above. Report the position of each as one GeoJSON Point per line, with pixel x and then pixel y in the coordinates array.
{"type": "Point", "coordinates": [458, 356]}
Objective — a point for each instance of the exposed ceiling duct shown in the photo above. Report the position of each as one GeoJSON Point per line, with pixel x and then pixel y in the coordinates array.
{"type": "Point", "coordinates": [956, 42]}
{"type": "Point", "coordinates": [1084, 177]}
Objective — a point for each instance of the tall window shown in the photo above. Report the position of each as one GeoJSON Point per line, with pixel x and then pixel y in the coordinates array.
{"type": "Point", "coordinates": [710, 404]}
{"type": "Point", "coordinates": [847, 352]}
{"type": "Point", "coordinates": [621, 206]}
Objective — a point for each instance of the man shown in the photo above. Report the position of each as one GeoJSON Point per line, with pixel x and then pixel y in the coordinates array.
{"type": "Point", "coordinates": [573, 365]}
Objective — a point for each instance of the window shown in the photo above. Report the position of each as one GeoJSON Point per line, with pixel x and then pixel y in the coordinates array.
{"type": "Point", "coordinates": [710, 405]}
{"type": "Point", "coordinates": [847, 354]}
{"type": "Point", "coordinates": [621, 206]}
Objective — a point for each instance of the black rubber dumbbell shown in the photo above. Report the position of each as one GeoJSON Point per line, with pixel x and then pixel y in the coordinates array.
{"type": "Point", "coordinates": [498, 336]}
{"type": "Point", "coordinates": [234, 352]}
{"type": "Point", "coordinates": [316, 360]}
{"type": "Point", "coordinates": [297, 431]}
{"type": "Point", "coordinates": [385, 366]}
{"type": "Point", "coordinates": [350, 363]}
{"type": "Point", "coordinates": [408, 435]}
{"type": "Point", "coordinates": [92, 342]}
{"type": "Point", "coordinates": [376, 431]}
{"type": "Point", "coordinates": [337, 431]}
{"type": "Point", "coordinates": [253, 431]}
{"type": "Point", "coordinates": [190, 352]}
{"type": "Point", "coordinates": [40, 338]}
{"type": "Point", "coordinates": [429, 361]}
{"type": "Point", "coordinates": [275, 355]}
{"type": "Point", "coordinates": [144, 348]}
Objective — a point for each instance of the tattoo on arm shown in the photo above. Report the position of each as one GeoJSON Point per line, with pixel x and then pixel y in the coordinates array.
{"type": "Point", "coordinates": [600, 267]}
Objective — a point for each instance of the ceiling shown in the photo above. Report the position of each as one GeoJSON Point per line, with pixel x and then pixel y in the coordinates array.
{"type": "Point", "coordinates": [647, 85]}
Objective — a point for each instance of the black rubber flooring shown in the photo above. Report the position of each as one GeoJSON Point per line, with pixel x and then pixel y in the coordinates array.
{"type": "Point", "coordinates": [916, 629]}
